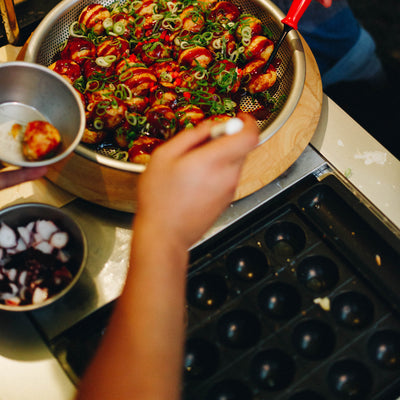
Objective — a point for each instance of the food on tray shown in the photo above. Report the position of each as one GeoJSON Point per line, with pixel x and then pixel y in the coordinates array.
{"type": "Point", "coordinates": [149, 69]}
{"type": "Point", "coordinates": [33, 262]}
{"type": "Point", "coordinates": [40, 140]}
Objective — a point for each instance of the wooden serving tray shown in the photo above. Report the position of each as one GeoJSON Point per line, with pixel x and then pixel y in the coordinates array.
{"type": "Point", "coordinates": [116, 189]}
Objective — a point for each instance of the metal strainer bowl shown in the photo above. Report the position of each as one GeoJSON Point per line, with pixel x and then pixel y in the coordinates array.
{"type": "Point", "coordinates": [54, 30]}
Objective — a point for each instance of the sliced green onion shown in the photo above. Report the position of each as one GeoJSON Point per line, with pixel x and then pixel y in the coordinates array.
{"type": "Point", "coordinates": [108, 23]}
{"type": "Point", "coordinates": [105, 61]}
{"type": "Point", "coordinates": [98, 124]}
{"type": "Point", "coordinates": [157, 17]}
{"type": "Point", "coordinates": [76, 30]}
{"type": "Point", "coordinates": [200, 74]}
{"type": "Point", "coordinates": [172, 23]}
{"type": "Point", "coordinates": [131, 119]}
{"type": "Point", "coordinates": [119, 28]}
{"type": "Point", "coordinates": [217, 44]}
{"type": "Point", "coordinates": [165, 76]}
{"type": "Point", "coordinates": [93, 86]}
{"type": "Point", "coordinates": [185, 45]}
{"type": "Point", "coordinates": [136, 4]}
{"type": "Point", "coordinates": [101, 107]}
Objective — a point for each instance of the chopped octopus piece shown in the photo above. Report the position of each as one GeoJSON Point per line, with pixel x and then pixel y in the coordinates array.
{"type": "Point", "coordinates": [33, 262]}
{"type": "Point", "coordinates": [8, 238]}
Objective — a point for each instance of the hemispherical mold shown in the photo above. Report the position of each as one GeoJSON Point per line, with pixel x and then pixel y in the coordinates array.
{"type": "Point", "coordinates": [384, 349]}
{"type": "Point", "coordinates": [313, 339]}
{"type": "Point", "coordinates": [230, 389]}
{"type": "Point", "coordinates": [318, 273]}
{"type": "Point", "coordinates": [201, 359]}
{"type": "Point", "coordinates": [285, 239]}
{"type": "Point", "coordinates": [239, 329]}
{"type": "Point", "coordinates": [350, 379]}
{"type": "Point", "coordinates": [207, 291]}
{"type": "Point", "coordinates": [307, 395]}
{"type": "Point", "coordinates": [352, 310]}
{"type": "Point", "coordinates": [247, 263]}
{"type": "Point", "coordinates": [279, 300]}
{"type": "Point", "coordinates": [272, 369]}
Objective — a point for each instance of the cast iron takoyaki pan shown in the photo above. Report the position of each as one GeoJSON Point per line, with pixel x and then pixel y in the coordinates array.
{"type": "Point", "coordinates": [299, 301]}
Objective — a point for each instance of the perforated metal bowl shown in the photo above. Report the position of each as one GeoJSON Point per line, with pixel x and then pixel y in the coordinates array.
{"type": "Point", "coordinates": [53, 30]}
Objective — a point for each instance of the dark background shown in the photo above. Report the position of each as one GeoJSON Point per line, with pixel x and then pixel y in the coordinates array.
{"type": "Point", "coordinates": [378, 111]}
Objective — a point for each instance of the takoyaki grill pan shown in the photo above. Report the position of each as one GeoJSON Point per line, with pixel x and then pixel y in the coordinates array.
{"type": "Point", "coordinates": [297, 300]}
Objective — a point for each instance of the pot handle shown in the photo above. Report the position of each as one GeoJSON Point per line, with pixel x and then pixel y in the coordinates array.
{"type": "Point", "coordinates": [9, 20]}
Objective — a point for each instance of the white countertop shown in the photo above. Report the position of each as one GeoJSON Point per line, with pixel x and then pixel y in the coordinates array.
{"type": "Point", "coordinates": [28, 369]}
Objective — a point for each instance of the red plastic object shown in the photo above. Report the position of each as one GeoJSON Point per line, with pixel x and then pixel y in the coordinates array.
{"type": "Point", "coordinates": [295, 12]}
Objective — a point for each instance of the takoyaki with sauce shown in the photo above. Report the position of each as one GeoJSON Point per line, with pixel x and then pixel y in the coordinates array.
{"type": "Point", "coordinates": [41, 140]}
{"type": "Point", "coordinates": [68, 69]}
{"type": "Point", "coordinates": [79, 50]}
{"type": "Point", "coordinates": [93, 17]}
{"type": "Point", "coordinates": [162, 121]}
{"type": "Point", "coordinates": [141, 149]}
{"type": "Point", "coordinates": [258, 80]}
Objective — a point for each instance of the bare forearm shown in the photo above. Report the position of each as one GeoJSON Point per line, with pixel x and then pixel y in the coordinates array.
{"type": "Point", "coordinates": [146, 333]}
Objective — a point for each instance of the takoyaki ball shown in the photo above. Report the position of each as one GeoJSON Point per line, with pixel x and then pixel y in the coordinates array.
{"type": "Point", "coordinates": [166, 72]}
{"type": "Point", "coordinates": [187, 79]}
{"type": "Point", "coordinates": [223, 44]}
{"type": "Point", "coordinates": [41, 140]}
{"type": "Point", "coordinates": [125, 20]}
{"type": "Point", "coordinates": [121, 136]}
{"type": "Point", "coordinates": [93, 136]}
{"type": "Point", "coordinates": [225, 76]}
{"type": "Point", "coordinates": [114, 46]}
{"type": "Point", "coordinates": [248, 26]}
{"type": "Point", "coordinates": [111, 112]}
{"type": "Point", "coordinates": [68, 69]}
{"type": "Point", "coordinates": [189, 116]}
{"type": "Point", "coordinates": [167, 97]}
{"type": "Point", "coordinates": [125, 132]}
{"type": "Point", "coordinates": [162, 121]}
{"type": "Point", "coordinates": [137, 104]}
{"type": "Point", "coordinates": [224, 12]}
{"type": "Point", "coordinates": [195, 56]}
{"type": "Point", "coordinates": [192, 19]}
{"type": "Point", "coordinates": [92, 71]}
{"type": "Point", "coordinates": [101, 94]}
{"type": "Point", "coordinates": [78, 50]}
{"type": "Point", "coordinates": [259, 47]}
{"type": "Point", "coordinates": [258, 81]}
{"type": "Point", "coordinates": [152, 52]}
{"type": "Point", "coordinates": [142, 148]}
{"type": "Point", "coordinates": [139, 80]}
{"type": "Point", "coordinates": [261, 83]}
{"type": "Point", "coordinates": [125, 63]}
{"type": "Point", "coordinates": [93, 16]}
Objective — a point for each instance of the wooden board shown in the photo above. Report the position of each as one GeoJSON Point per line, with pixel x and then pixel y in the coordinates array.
{"type": "Point", "coordinates": [116, 189]}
